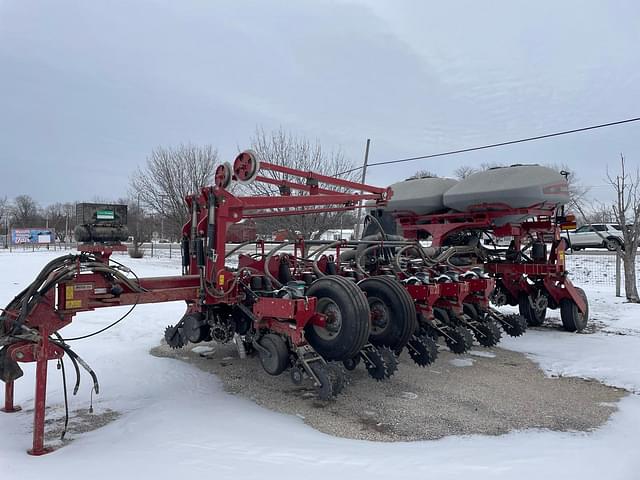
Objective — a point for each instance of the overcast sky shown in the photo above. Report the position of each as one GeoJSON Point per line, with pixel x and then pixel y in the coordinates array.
{"type": "Point", "coordinates": [88, 88]}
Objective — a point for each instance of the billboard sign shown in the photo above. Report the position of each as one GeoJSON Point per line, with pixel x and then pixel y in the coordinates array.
{"type": "Point", "coordinates": [38, 236]}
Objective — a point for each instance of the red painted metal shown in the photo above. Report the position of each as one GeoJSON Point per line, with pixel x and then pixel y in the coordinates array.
{"type": "Point", "coordinates": [9, 406]}
{"type": "Point", "coordinates": [536, 221]}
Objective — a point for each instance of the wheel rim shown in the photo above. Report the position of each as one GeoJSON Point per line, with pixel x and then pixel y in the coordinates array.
{"type": "Point", "coordinates": [611, 245]}
{"type": "Point", "coordinates": [333, 324]}
{"type": "Point", "coordinates": [380, 316]}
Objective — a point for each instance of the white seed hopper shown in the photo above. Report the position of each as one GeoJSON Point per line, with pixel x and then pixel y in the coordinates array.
{"type": "Point", "coordinates": [420, 196]}
{"type": "Point", "coordinates": [517, 186]}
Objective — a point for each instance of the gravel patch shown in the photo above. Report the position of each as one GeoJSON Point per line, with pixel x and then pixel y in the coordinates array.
{"type": "Point", "coordinates": [496, 392]}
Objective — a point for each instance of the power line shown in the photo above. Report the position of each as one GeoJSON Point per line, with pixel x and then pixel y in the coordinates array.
{"type": "Point", "coordinates": [494, 145]}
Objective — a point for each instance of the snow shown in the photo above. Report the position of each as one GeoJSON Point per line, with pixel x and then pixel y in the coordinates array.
{"type": "Point", "coordinates": [461, 362]}
{"type": "Point", "coordinates": [177, 422]}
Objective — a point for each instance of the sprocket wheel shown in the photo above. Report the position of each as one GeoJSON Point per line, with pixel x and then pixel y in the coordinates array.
{"type": "Point", "coordinates": [325, 389]}
{"type": "Point", "coordinates": [514, 325]}
{"type": "Point", "coordinates": [337, 378]}
{"type": "Point", "coordinates": [423, 350]}
{"type": "Point", "coordinates": [459, 339]}
{"type": "Point", "coordinates": [390, 361]}
{"type": "Point", "coordinates": [375, 364]}
{"type": "Point", "coordinates": [488, 333]}
{"type": "Point", "coordinates": [174, 337]}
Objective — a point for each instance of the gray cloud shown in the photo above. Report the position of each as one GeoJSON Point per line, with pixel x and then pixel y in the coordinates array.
{"type": "Point", "coordinates": [89, 88]}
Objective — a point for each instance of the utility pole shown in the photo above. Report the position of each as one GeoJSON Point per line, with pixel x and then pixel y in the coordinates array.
{"type": "Point", "coordinates": [137, 239]}
{"type": "Point", "coordinates": [362, 180]}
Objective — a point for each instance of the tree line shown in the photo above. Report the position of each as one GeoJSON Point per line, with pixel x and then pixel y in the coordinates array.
{"type": "Point", "coordinates": [157, 190]}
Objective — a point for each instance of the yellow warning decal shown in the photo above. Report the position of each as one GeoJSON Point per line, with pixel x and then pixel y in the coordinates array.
{"type": "Point", "coordinates": [221, 280]}
{"type": "Point", "coordinates": [561, 256]}
{"type": "Point", "coordinates": [73, 304]}
{"type": "Point", "coordinates": [69, 292]}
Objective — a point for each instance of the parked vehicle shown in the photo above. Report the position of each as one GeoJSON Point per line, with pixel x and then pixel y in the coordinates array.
{"type": "Point", "coordinates": [597, 235]}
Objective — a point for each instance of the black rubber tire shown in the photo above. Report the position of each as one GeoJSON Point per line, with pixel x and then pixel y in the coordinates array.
{"type": "Point", "coordinates": [470, 310]}
{"type": "Point", "coordinates": [399, 306]}
{"type": "Point", "coordinates": [277, 360]}
{"type": "Point", "coordinates": [534, 318]}
{"type": "Point", "coordinates": [351, 363]}
{"type": "Point", "coordinates": [572, 319]}
{"type": "Point", "coordinates": [442, 316]}
{"type": "Point", "coordinates": [612, 244]}
{"type": "Point", "coordinates": [354, 311]}
{"type": "Point", "coordinates": [194, 329]}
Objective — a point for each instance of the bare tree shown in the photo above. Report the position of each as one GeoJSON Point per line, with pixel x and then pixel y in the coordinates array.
{"type": "Point", "coordinates": [577, 191]}
{"type": "Point", "coordinates": [4, 208]}
{"type": "Point", "coordinates": [626, 211]}
{"type": "Point", "coordinates": [5, 213]}
{"type": "Point", "coordinates": [283, 148]}
{"type": "Point", "coordinates": [463, 171]}
{"type": "Point", "coordinates": [60, 216]}
{"type": "Point", "coordinates": [423, 173]}
{"type": "Point", "coordinates": [26, 212]}
{"type": "Point", "coordinates": [169, 175]}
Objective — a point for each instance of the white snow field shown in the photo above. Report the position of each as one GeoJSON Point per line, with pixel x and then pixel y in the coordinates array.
{"type": "Point", "coordinates": [177, 422]}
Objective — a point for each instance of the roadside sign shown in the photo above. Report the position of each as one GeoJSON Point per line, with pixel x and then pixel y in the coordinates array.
{"type": "Point", "coordinates": [37, 236]}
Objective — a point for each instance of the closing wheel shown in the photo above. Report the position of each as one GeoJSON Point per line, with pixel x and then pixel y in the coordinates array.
{"type": "Point", "coordinates": [351, 363]}
{"type": "Point", "coordinates": [572, 319]}
{"type": "Point", "coordinates": [337, 378]}
{"type": "Point", "coordinates": [470, 310]}
{"type": "Point", "coordinates": [459, 339]}
{"type": "Point", "coordinates": [422, 349]}
{"type": "Point", "coordinates": [488, 333]}
{"type": "Point", "coordinates": [347, 318]}
{"type": "Point", "coordinates": [535, 317]}
{"type": "Point", "coordinates": [174, 337]}
{"type": "Point", "coordinates": [393, 313]}
{"type": "Point", "coordinates": [514, 325]}
{"type": "Point", "coordinates": [374, 363]}
{"type": "Point", "coordinates": [274, 354]}
{"type": "Point", "coordinates": [390, 361]}
{"type": "Point", "coordinates": [325, 387]}
{"type": "Point", "coordinates": [246, 167]}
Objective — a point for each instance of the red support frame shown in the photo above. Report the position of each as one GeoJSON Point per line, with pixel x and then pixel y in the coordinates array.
{"type": "Point", "coordinates": [506, 221]}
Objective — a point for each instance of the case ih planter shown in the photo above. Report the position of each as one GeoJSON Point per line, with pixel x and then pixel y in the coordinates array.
{"type": "Point", "coordinates": [286, 323]}
{"type": "Point", "coordinates": [304, 306]}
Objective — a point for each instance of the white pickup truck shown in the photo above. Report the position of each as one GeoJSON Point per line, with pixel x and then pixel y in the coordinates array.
{"type": "Point", "coordinates": [597, 235]}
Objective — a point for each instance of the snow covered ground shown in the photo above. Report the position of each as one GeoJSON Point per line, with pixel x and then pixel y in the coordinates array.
{"type": "Point", "coordinates": [177, 422]}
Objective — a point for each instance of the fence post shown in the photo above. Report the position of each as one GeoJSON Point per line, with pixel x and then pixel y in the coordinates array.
{"type": "Point", "coordinates": [618, 273]}
{"type": "Point", "coordinates": [169, 251]}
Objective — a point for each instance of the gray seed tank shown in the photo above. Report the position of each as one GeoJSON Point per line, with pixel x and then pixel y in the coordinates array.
{"type": "Point", "coordinates": [420, 196]}
{"type": "Point", "coordinates": [517, 186]}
